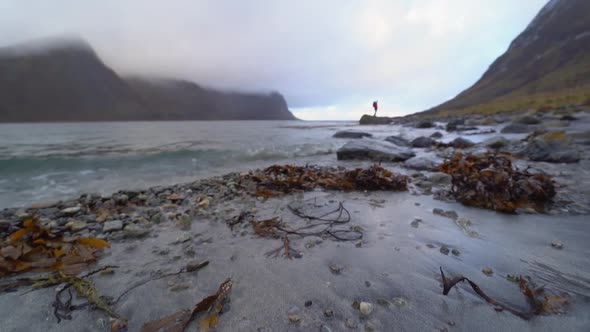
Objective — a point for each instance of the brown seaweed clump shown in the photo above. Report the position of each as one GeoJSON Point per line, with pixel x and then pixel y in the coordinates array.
{"type": "Point", "coordinates": [286, 179]}
{"type": "Point", "coordinates": [492, 182]}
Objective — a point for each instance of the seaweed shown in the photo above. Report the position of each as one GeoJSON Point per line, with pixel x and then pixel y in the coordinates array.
{"type": "Point", "coordinates": [550, 304]}
{"type": "Point", "coordinates": [178, 321]}
{"type": "Point", "coordinates": [34, 248]}
{"type": "Point", "coordinates": [491, 181]}
{"type": "Point", "coordinates": [277, 179]}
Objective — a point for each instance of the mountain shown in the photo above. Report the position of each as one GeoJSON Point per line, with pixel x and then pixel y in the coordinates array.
{"type": "Point", "coordinates": [548, 64]}
{"type": "Point", "coordinates": [64, 80]}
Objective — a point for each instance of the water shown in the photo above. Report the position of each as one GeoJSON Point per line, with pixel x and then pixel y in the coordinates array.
{"type": "Point", "coordinates": [52, 161]}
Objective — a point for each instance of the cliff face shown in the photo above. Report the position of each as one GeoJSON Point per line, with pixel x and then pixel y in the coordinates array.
{"type": "Point", "coordinates": [551, 55]}
{"type": "Point", "coordinates": [66, 81]}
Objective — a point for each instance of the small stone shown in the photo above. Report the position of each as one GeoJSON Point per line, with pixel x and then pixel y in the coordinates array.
{"type": "Point", "coordinates": [383, 302]}
{"type": "Point", "coordinates": [369, 327]}
{"type": "Point", "coordinates": [455, 252]}
{"type": "Point", "coordinates": [356, 305]}
{"type": "Point", "coordinates": [365, 308]}
{"type": "Point", "coordinates": [293, 315]}
{"type": "Point", "coordinates": [107, 271]}
{"type": "Point", "coordinates": [204, 203]}
{"type": "Point", "coordinates": [71, 210]}
{"type": "Point", "coordinates": [444, 250]}
{"type": "Point", "coordinates": [113, 225]}
{"type": "Point", "coordinates": [430, 245]}
{"type": "Point", "coordinates": [133, 230]}
{"type": "Point", "coordinates": [329, 313]}
{"type": "Point", "coordinates": [308, 304]}
{"type": "Point", "coordinates": [351, 324]}
{"type": "Point", "coordinates": [448, 214]}
{"type": "Point", "coordinates": [367, 283]}
{"type": "Point", "coordinates": [76, 226]}
{"type": "Point", "coordinates": [416, 222]}
{"type": "Point", "coordinates": [336, 269]}
{"type": "Point", "coordinates": [487, 271]}
{"type": "Point", "coordinates": [121, 199]}
{"type": "Point", "coordinates": [557, 245]}
{"type": "Point", "coordinates": [400, 302]}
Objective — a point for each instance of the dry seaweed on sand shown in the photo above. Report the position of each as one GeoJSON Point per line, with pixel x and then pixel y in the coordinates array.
{"type": "Point", "coordinates": [548, 305]}
{"type": "Point", "coordinates": [278, 179]}
{"type": "Point", "coordinates": [178, 321]}
{"type": "Point", "coordinates": [34, 248]}
{"type": "Point", "coordinates": [491, 181]}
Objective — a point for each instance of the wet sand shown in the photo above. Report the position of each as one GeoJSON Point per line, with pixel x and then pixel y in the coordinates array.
{"type": "Point", "coordinates": [396, 262]}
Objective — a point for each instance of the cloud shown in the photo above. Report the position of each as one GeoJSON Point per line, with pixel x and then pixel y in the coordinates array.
{"type": "Point", "coordinates": [331, 56]}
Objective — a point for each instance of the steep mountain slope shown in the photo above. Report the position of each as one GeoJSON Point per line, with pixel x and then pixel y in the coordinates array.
{"type": "Point", "coordinates": [64, 80]}
{"type": "Point", "coordinates": [549, 60]}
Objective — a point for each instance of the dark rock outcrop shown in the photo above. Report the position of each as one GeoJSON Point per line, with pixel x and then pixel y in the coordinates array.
{"type": "Point", "coordinates": [554, 147]}
{"type": "Point", "coordinates": [461, 143]}
{"type": "Point", "coordinates": [398, 140]}
{"type": "Point", "coordinates": [423, 142]}
{"type": "Point", "coordinates": [351, 134]}
{"type": "Point", "coordinates": [375, 120]}
{"type": "Point", "coordinates": [373, 150]}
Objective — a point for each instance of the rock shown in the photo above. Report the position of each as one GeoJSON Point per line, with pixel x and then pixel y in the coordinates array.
{"type": "Point", "coordinates": [373, 150]}
{"type": "Point", "coordinates": [351, 134]}
{"type": "Point", "coordinates": [365, 308]}
{"type": "Point", "coordinates": [441, 179]}
{"type": "Point", "coordinates": [351, 324]}
{"type": "Point", "coordinates": [328, 313]}
{"type": "Point", "coordinates": [528, 120]}
{"type": "Point", "coordinates": [487, 271]}
{"type": "Point", "coordinates": [369, 327]}
{"type": "Point", "coordinates": [71, 210]}
{"type": "Point", "coordinates": [424, 124]}
{"type": "Point", "coordinates": [448, 214]}
{"type": "Point", "coordinates": [423, 163]}
{"type": "Point", "coordinates": [416, 222]}
{"type": "Point", "coordinates": [497, 142]}
{"type": "Point", "coordinates": [4, 225]}
{"type": "Point", "coordinates": [156, 218]}
{"type": "Point", "coordinates": [557, 245]}
{"type": "Point", "coordinates": [444, 250]}
{"type": "Point", "coordinates": [184, 237]}
{"type": "Point", "coordinates": [398, 140]}
{"type": "Point", "coordinates": [374, 120]}
{"type": "Point", "coordinates": [455, 252]}
{"type": "Point", "coordinates": [336, 269]}
{"type": "Point", "coordinates": [452, 125]}
{"type": "Point", "coordinates": [436, 134]}
{"type": "Point", "coordinates": [555, 147]}
{"type": "Point", "coordinates": [113, 225]}
{"type": "Point", "coordinates": [325, 328]}
{"type": "Point", "coordinates": [133, 230]}
{"type": "Point", "coordinates": [308, 304]}
{"type": "Point", "coordinates": [76, 225]}
{"type": "Point", "coordinates": [517, 128]}
{"type": "Point", "coordinates": [568, 117]}
{"type": "Point", "coordinates": [461, 143]}
{"type": "Point", "coordinates": [294, 314]}
{"type": "Point", "coordinates": [204, 203]}
{"type": "Point", "coordinates": [121, 199]}
{"type": "Point", "coordinates": [423, 142]}
{"type": "Point", "coordinates": [400, 302]}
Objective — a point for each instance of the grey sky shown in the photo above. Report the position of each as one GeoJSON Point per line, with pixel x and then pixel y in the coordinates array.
{"type": "Point", "coordinates": [329, 58]}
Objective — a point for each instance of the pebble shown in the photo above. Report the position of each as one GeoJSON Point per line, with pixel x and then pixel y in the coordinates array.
{"type": "Point", "coordinates": [487, 271]}
{"type": "Point", "coordinates": [400, 302]}
{"type": "Point", "coordinates": [113, 225]}
{"type": "Point", "coordinates": [416, 222]}
{"type": "Point", "coordinates": [76, 226]}
{"type": "Point", "coordinates": [557, 245]}
{"type": "Point", "coordinates": [336, 269]}
{"type": "Point", "coordinates": [444, 250]}
{"type": "Point", "coordinates": [367, 283]}
{"type": "Point", "coordinates": [430, 245]}
{"type": "Point", "coordinates": [133, 230]}
{"type": "Point", "coordinates": [365, 308]}
{"type": "Point", "coordinates": [455, 252]}
{"type": "Point", "coordinates": [71, 210]}
{"type": "Point", "coordinates": [383, 302]}
{"type": "Point", "coordinates": [308, 304]}
{"type": "Point", "coordinates": [329, 313]}
{"type": "Point", "coordinates": [351, 324]}
{"type": "Point", "coordinates": [369, 327]}
{"type": "Point", "coordinates": [293, 314]}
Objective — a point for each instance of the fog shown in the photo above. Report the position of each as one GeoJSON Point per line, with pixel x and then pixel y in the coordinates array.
{"type": "Point", "coordinates": [329, 58]}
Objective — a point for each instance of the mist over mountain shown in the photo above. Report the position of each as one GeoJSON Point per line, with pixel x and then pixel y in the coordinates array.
{"type": "Point", "coordinates": [65, 80]}
{"type": "Point", "coordinates": [549, 60]}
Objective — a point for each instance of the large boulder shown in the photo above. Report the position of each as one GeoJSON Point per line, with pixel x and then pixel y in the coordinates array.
{"type": "Point", "coordinates": [374, 120]}
{"type": "Point", "coordinates": [424, 124]}
{"type": "Point", "coordinates": [423, 142]}
{"type": "Point", "coordinates": [496, 142]}
{"type": "Point", "coordinates": [436, 134]}
{"type": "Point", "coordinates": [528, 120]}
{"type": "Point", "coordinates": [453, 124]}
{"type": "Point", "coordinates": [398, 140]}
{"type": "Point", "coordinates": [553, 147]}
{"type": "Point", "coordinates": [351, 134]}
{"type": "Point", "coordinates": [461, 143]}
{"type": "Point", "coordinates": [423, 163]}
{"type": "Point", "coordinates": [517, 128]}
{"type": "Point", "coordinates": [373, 150]}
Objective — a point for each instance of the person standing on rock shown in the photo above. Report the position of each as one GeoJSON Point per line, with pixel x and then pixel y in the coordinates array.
{"type": "Point", "coordinates": [375, 106]}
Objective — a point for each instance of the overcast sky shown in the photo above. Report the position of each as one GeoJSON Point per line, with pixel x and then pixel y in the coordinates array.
{"type": "Point", "coordinates": [329, 58]}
